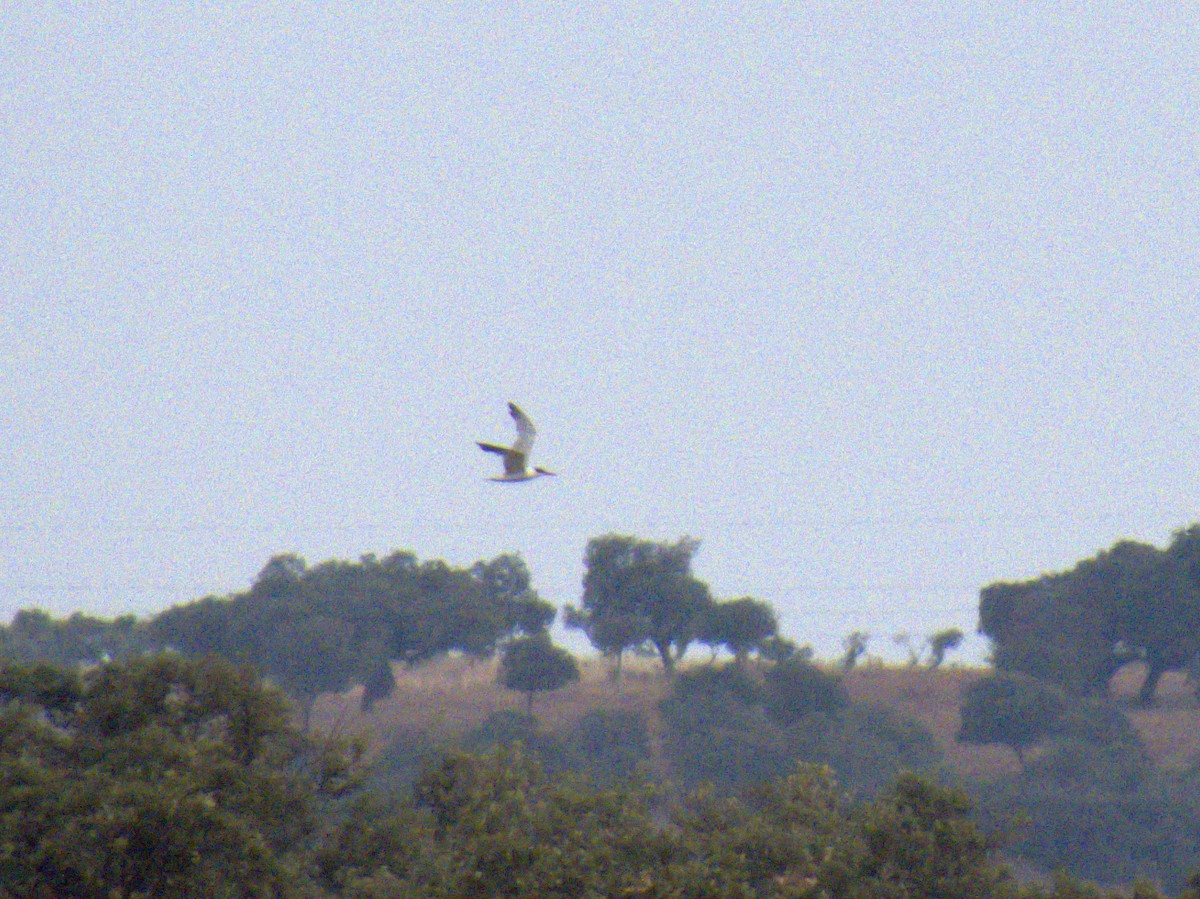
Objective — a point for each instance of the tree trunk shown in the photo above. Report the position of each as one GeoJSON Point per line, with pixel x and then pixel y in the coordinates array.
{"type": "Point", "coordinates": [1154, 671]}
{"type": "Point", "coordinates": [664, 653]}
{"type": "Point", "coordinates": [529, 703]}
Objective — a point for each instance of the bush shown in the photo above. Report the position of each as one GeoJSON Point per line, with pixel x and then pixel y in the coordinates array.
{"type": "Point", "coordinates": [720, 729]}
{"type": "Point", "coordinates": [155, 776]}
{"type": "Point", "coordinates": [1015, 710]}
{"type": "Point", "coordinates": [508, 730]}
{"type": "Point", "coordinates": [715, 735]}
{"type": "Point", "coordinates": [795, 688]}
{"type": "Point", "coordinates": [869, 747]}
{"type": "Point", "coordinates": [609, 746]}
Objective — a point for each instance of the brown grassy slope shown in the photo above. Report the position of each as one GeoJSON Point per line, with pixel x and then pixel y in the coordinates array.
{"type": "Point", "coordinates": [449, 697]}
{"type": "Point", "coordinates": [1171, 730]}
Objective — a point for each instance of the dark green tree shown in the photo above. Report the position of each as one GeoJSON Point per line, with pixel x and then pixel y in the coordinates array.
{"type": "Point", "coordinates": [532, 665]}
{"type": "Point", "coordinates": [1076, 628]}
{"type": "Point", "coordinates": [740, 625]}
{"type": "Point", "coordinates": [649, 583]}
{"type": "Point", "coordinates": [35, 635]}
{"type": "Point", "coordinates": [612, 634]}
{"type": "Point", "coordinates": [325, 627]}
{"type": "Point", "coordinates": [506, 583]}
{"type": "Point", "coordinates": [1014, 710]}
{"type": "Point", "coordinates": [1159, 613]}
{"type": "Point", "coordinates": [795, 688]}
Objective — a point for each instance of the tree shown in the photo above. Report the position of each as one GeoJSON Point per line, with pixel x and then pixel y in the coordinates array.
{"type": "Point", "coordinates": [155, 776]}
{"type": "Point", "coordinates": [506, 583]}
{"type": "Point", "coordinates": [941, 643]}
{"type": "Point", "coordinates": [1160, 615]}
{"type": "Point", "coordinates": [532, 665]}
{"type": "Point", "coordinates": [35, 635]}
{"type": "Point", "coordinates": [795, 688]}
{"type": "Point", "coordinates": [612, 634]}
{"type": "Point", "coordinates": [322, 628]}
{"type": "Point", "coordinates": [780, 649]}
{"type": "Point", "coordinates": [648, 583]}
{"type": "Point", "coordinates": [740, 625]}
{"type": "Point", "coordinates": [1076, 628]}
{"type": "Point", "coordinates": [855, 644]}
{"type": "Point", "coordinates": [1015, 710]}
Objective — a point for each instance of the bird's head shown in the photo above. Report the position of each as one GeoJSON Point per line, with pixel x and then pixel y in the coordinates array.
{"type": "Point", "coordinates": [543, 471]}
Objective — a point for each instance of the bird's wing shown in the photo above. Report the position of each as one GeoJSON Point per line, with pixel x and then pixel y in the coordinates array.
{"type": "Point", "coordinates": [514, 459]}
{"type": "Point", "coordinates": [525, 431]}
{"type": "Point", "coordinates": [514, 462]}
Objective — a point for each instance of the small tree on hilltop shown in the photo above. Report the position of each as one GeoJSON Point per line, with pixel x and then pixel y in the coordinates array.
{"type": "Point", "coordinates": [941, 643]}
{"type": "Point", "coordinates": [1014, 710]}
{"type": "Point", "coordinates": [855, 644]}
{"type": "Point", "coordinates": [740, 625]}
{"type": "Point", "coordinates": [533, 665]}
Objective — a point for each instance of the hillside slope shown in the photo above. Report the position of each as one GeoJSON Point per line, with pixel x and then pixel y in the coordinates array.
{"type": "Point", "coordinates": [446, 698]}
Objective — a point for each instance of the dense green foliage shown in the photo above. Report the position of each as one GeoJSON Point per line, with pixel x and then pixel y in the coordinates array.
{"type": "Point", "coordinates": [496, 825]}
{"type": "Point", "coordinates": [733, 728]}
{"type": "Point", "coordinates": [157, 776]}
{"type": "Point", "coordinates": [164, 776]}
{"type": "Point", "coordinates": [1076, 628]}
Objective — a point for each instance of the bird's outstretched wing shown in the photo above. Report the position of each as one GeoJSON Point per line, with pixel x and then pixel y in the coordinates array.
{"type": "Point", "coordinates": [514, 460]}
{"type": "Point", "coordinates": [525, 430]}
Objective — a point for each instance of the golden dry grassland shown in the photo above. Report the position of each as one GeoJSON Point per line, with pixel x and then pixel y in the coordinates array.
{"type": "Point", "coordinates": [448, 697]}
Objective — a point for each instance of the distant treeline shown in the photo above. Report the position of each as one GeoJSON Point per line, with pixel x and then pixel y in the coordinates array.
{"type": "Point", "coordinates": [323, 628]}
{"type": "Point", "coordinates": [1087, 794]}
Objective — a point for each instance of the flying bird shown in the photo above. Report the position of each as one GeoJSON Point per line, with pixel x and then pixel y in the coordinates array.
{"type": "Point", "coordinates": [516, 456]}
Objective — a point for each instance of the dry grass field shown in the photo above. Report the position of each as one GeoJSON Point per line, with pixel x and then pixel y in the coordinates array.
{"type": "Point", "coordinates": [449, 697]}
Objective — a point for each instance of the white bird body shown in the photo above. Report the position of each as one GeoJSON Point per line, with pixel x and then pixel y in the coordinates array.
{"type": "Point", "coordinates": [516, 456]}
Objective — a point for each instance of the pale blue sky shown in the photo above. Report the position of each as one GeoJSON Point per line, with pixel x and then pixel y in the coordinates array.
{"type": "Point", "coordinates": [881, 303]}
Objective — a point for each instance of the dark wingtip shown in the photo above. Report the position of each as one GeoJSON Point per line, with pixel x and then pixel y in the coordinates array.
{"type": "Point", "coordinates": [513, 410]}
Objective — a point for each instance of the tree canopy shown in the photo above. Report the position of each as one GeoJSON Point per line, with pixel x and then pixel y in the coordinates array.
{"type": "Point", "coordinates": [323, 628]}
{"type": "Point", "coordinates": [1015, 710]}
{"type": "Point", "coordinates": [648, 589]}
{"type": "Point", "coordinates": [532, 665]}
{"type": "Point", "coordinates": [1076, 628]}
{"type": "Point", "coordinates": [740, 625]}
{"type": "Point", "coordinates": [151, 777]}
